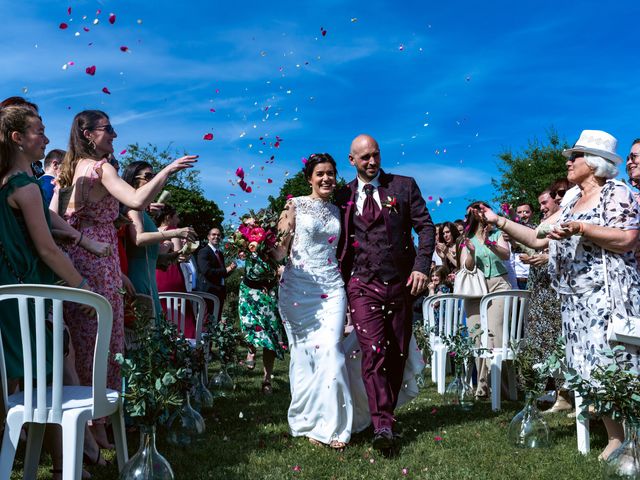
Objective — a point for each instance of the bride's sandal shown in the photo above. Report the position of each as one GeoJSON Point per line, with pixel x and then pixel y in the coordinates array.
{"type": "Point", "coordinates": [338, 445]}
{"type": "Point", "coordinates": [315, 442]}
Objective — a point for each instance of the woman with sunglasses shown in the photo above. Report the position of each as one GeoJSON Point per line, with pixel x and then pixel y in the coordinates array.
{"type": "Point", "coordinates": [96, 192]}
{"type": "Point", "coordinates": [143, 239]}
{"type": "Point", "coordinates": [600, 224]}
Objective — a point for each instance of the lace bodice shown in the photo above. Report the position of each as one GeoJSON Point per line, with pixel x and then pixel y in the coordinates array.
{"type": "Point", "coordinates": [315, 241]}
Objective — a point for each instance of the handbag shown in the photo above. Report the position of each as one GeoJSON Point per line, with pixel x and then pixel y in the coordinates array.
{"type": "Point", "coordinates": [470, 282]}
{"type": "Point", "coordinates": [622, 330]}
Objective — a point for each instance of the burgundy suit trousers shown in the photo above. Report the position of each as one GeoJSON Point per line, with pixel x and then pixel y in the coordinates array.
{"type": "Point", "coordinates": [382, 317]}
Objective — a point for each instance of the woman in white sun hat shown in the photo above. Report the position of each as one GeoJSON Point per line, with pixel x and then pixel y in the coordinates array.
{"type": "Point", "coordinates": [599, 223]}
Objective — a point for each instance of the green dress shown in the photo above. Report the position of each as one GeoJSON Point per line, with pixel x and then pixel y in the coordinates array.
{"type": "Point", "coordinates": [258, 306]}
{"type": "Point", "coordinates": [19, 263]}
{"type": "Point", "coordinates": [142, 264]}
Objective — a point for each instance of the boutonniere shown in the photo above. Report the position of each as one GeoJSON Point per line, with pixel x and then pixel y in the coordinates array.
{"type": "Point", "coordinates": [391, 203]}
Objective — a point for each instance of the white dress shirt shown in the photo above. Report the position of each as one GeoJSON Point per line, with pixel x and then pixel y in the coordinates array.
{"type": "Point", "coordinates": [361, 196]}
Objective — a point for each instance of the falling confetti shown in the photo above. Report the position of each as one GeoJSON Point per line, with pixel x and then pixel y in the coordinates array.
{"type": "Point", "coordinates": [123, 152]}
{"type": "Point", "coordinates": [124, 49]}
{"type": "Point", "coordinates": [106, 90]}
{"type": "Point", "coordinates": [63, 26]}
{"type": "Point", "coordinates": [208, 136]}
{"type": "Point", "coordinates": [112, 18]}
{"type": "Point", "coordinates": [91, 70]}
{"type": "Point", "coordinates": [323, 32]}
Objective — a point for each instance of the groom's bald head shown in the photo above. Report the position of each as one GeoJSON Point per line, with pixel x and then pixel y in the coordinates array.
{"type": "Point", "coordinates": [365, 156]}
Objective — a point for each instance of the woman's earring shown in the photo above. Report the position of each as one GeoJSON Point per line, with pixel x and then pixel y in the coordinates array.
{"type": "Point", "coordinates": [92, 144]}
{"type": "Point", "coordinates": [20, 148]}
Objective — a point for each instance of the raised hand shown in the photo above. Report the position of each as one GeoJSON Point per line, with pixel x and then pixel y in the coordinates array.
{"type": "Point", "coordinates": [181, 163]}
{"type": "Point", "coordinates": [187, 233]}
{"type": "Point", "coordinates": [485, 214]}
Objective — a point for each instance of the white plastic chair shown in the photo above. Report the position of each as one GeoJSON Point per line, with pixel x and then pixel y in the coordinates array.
{"type": "Point", "coordinates": [69, 406]}
{"type": "Point", "coordinates": [216, 304]}
{"type": "Point", "coordinates": [516, 312]}
{"type": "Point", "coordinates": [450, 318]}
{"type": "Point", "coordinates": [176, 308]}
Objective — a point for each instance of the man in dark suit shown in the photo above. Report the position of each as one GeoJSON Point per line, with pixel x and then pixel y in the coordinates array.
{"type": "Point", "coordinates": [211, 267]}
{"type": "Point", "coordinates": [383, 273]}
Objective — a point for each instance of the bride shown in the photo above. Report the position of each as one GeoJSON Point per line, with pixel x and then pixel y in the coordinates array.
{"type": "Point", "coordinates": [328, 400]}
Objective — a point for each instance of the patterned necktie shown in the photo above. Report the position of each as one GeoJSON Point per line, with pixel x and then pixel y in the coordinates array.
{"type": "Point", "coordinates": [370, 208]}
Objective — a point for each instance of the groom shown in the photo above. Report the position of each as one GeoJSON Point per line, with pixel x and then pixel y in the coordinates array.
{"type": "Point", "coordinates": [383, 273]}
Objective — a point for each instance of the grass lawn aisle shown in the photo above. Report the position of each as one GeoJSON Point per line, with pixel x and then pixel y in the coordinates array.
{"type": "Point", "coordinates": [247, 438]}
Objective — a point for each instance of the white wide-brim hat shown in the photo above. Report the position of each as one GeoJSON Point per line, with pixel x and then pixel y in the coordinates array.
{"type": "Point", "coordinates": [597, 143]}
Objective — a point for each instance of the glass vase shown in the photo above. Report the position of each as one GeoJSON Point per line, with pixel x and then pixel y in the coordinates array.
{"type": "Point", "coordinates": [460, 392]}
{"type": "Point", "coordinates": [221, 384]}
{"type": "Point", "coordinates": [624, 462]}
{"type": "Point", "coordinates": [186, 426]}
{"type": "Point", "coordinates": [147, 463]}
{"type": "Point", "coordinates": [201, 396]}
{"type": "Point", "coordinates": [528, 429]}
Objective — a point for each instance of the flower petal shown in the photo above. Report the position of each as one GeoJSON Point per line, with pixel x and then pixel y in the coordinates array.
{"type": "Point", "coordinates": [112, 18]}
{"type": "Point", "coordinates": [207, 136]}
{"type": "Point", "coordinates": [91, 70]}
{"type": "Point", "coordinates": [106, 90]}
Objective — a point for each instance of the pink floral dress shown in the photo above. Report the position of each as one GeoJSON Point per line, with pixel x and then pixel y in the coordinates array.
{"type": "Point", "coordinates": [95, 220]}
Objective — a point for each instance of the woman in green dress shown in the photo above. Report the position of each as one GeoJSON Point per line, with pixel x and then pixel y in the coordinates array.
{"type": "Point", "coordinates": [28, 252]}
{"type": "Point", "coordinates": [259, 317]}
{"type": "Point", "coordinates": [143, 239]}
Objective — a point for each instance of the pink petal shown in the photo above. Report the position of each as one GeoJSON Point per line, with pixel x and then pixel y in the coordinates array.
{"type": "Point", "coordinates": [124, 48]}
{"type": "Point", "coordinates": [63, 26]}
{"type": "Point", "coordinates": [249, 190]}
{"type": "Point", "coordinates": [324, 295]}
{"type": "Point", "coordinates": [437, 438]}
{"type": "Point", "coordinates": [106, 90]}
{"type": "Point", "coordinates": [208, 136]}
{"type": "Point", "coordinates": [112, 18]}
{"type": "Point", "coordinates": [269, 180]}
{"type": "Point", "coordinates": [289, 196]}
{"type": "Point", "coordinates": [240, 172]}
{"type": "Point", "coordinates": [356, 244]}
{"type": "Point", "coordinates": [123, 152]}
{"type": "Point", "coordinates": [85, 29]}
{"type": "Point", "coordinates": [91, 70]}
{"type": "Point", "coordinates": [430, 198]}
{"type": "Point", "coordinates": [212, 109]}
{"type": "Point", "coordinates": [69, 11]}
{"type": "Point", "coordinates": [331, 239]}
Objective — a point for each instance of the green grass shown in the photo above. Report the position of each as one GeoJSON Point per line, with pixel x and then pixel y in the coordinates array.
{"type": "Point", "coordinates": [247, 438]}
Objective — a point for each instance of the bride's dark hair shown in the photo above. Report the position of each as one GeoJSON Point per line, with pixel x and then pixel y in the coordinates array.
{"type": "Point", "coordinates": [316, 159]}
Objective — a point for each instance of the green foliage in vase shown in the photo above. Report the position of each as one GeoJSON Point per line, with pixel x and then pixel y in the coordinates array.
{"type": "Point", "coordinates": [153, 381]}
{"type": "Point", "coordinates": [535, 365]}
{"type": "Point", "coordinates": [462, 345]}
{"type": "Point", "coordinates": [613, 389]}
{"type": "Point", "coordinates": [225, 338]}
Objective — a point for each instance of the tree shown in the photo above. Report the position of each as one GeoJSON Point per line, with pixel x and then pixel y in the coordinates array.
{"type": "Point", "coordinates": [295, 186]}
{"type": "Point", "coordinates": [186, 192]}
{"type": "Point", "coordinates": [525, 175]}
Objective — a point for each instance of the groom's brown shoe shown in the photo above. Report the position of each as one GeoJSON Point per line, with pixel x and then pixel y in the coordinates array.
{"type": "Point", "coordinates": [383, 439]}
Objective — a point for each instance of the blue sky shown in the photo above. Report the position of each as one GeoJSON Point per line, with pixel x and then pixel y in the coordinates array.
{"type": "Point", "coordinates": [443, 86]}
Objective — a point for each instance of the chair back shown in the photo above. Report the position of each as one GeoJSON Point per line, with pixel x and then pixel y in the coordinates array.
{"type": "Point", "coordinates": [34, 302]}
{"type": "Point", "coordinates": [445, 320]}
{"type": "Point", "coordinates": [177, 308]}
{"type": "Point", "coordinates": [514, 317]}
{"type": "Point", "coordinates": [215, 314]}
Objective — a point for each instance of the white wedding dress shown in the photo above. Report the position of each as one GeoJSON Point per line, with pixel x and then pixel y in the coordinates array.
{"type": "Point", "coordinates": [328, 399]}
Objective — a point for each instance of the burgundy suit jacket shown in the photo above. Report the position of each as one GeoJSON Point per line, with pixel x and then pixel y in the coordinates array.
{"type": "Point", "coordinates": [410, 212]}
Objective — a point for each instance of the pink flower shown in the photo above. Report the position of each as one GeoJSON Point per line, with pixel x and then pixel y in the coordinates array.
{"type": "Point", "coordinates": [257, 234]}
{"type": "Point", "coordinates": [244, 230]}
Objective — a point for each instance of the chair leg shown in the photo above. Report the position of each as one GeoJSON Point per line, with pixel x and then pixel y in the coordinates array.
{"type": "Point", "coordinates": [72, 448]}
{"type": "Point", "coordinates": [434, 367]}
{"type": "Point", "coordinates": [10, 441]}
{"type": "Point", "coordinates": [442, 368]}
{"type": "Point", "coordinates": [582, 428]}
{"type": "Point", "coordinates": [496, 380]}
{"type": "Point", "coordinates": [120, 437]}
{"type": "Point", "coordinates": [35, 436]}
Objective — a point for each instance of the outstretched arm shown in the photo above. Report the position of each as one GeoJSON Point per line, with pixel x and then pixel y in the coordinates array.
{"type": "Point", "coordinates": [286, 228]}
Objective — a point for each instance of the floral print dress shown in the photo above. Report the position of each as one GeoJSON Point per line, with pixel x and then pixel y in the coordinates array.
{"type": "Point", "coordinates": [577, 273]}
{"type": "Point", "coordinates": [95, 220]}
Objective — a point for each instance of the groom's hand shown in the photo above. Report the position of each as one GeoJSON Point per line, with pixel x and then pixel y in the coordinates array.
{"type": "Point", "coordinates": [418, 282]}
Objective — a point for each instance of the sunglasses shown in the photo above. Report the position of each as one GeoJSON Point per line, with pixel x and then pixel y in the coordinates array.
{"type": "Point", "coordinates": [575, 156]}
{"type": "Point", "coordinates": [560, 192]}
{"type": "Point", "coordinates": [107, 128]}
{"type": "Point", "coordinates": [147, 176]}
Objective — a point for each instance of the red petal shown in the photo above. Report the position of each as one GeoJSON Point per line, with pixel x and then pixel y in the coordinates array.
{"type": "Point", "coordinates": [240, 172]}
{"type": "Point", "coordinates": [123, 152]}
{"type": "Point", "coordinates": [356, 244]}
{"type": "Point", "coordinates": [249, 190]}
{"type": "Point", "coordinates": [91, 70]}
{"type": "Point", "coordinates": [124, 49]}
{"type": "Point", "coordinates": [85, 29]}
{"type": "Point", "coordinates": [212, 109]}
{"type": "Point", "coordinates": [106, 90]}
{"type": "Point", "coordinates": [208, 136]}
{"type": "Point", "coordinates": [69, 11]}
{"type": "Point", "coordinates": [63, 26]}
{"type": "Point", "coordinates": [430, 197]}
{"type": "Point", "coordinates": [269, 180]}
{"type": "Point", "coordinates": [324, 295]}
{"type": "Point", "coordinates": [112, 18]}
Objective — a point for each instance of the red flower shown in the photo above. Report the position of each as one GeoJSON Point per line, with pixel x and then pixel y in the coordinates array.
{"type": "Point", "coordinates": [245, 230]}
{"type": "Point", "coordinates": [257, 234]}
